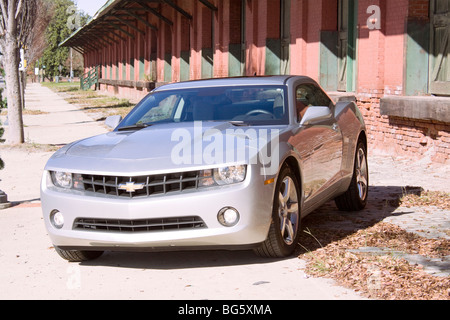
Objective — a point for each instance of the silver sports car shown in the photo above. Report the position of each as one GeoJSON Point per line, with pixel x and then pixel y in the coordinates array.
{"type": "Point", "coordinates": [222, 163]}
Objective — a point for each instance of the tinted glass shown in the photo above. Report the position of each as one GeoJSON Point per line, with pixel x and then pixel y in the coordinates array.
{"type": "Point", "coordinates": [260, 105]}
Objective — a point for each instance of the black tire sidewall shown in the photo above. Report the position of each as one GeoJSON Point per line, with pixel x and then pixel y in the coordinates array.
{"type": "Point", "coordinates": [285, 249]}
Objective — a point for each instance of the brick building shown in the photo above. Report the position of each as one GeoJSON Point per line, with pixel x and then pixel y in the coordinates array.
{"type": "Point", "coordinates": [391, 56]}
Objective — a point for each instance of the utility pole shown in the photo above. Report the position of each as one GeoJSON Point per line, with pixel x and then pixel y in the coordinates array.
{"type": "Point", "coordinates": [71, 66]}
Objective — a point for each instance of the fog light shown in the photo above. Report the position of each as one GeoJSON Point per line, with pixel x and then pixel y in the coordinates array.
{"type": "Point", "coordinates": [57, 219]}
{"type": "Point", "coordinates": [228, 217]}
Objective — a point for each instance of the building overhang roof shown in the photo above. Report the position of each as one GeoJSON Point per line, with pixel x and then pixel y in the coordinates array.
{"type": "Point", "coordinates": [118, 20]}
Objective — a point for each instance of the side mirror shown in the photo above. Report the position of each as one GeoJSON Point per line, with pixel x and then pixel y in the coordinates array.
{"type": "Point", "coordinates": [314, 114]}
{"type": "Point", "coordinates": [113, 121]}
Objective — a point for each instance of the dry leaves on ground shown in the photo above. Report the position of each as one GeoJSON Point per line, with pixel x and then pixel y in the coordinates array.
{"type": "Point", "coordinates": [438, 199]}
{"type": "Point", "coordinates": [381, 277]}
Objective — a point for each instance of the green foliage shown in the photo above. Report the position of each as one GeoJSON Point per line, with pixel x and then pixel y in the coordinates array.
{"type": "Point", "coordinates": [57, 32]}
{"type": "Point", "coordinates": [3, 101]}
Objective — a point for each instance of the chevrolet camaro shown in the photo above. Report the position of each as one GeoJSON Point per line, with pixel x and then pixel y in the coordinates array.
{"type": "Point", "coordinates": [231, 163]}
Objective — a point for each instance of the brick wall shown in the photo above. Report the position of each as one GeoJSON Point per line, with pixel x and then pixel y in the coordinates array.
{"type": "Point", "coordinates": [381, 66]}
{"type": "Point", "coordinates": [419, 9]}
{"type": "Point", "coordinates": [414, 138]}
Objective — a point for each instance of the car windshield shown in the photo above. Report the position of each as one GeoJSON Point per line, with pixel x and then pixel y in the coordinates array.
{"type": "Point", "coordinates": [240, 105]}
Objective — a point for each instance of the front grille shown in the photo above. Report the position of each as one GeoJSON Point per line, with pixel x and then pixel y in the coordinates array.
{"type": "Point", "coordinates": [142, 186]}
{"type": "Point", "coordinates": [140, 225]}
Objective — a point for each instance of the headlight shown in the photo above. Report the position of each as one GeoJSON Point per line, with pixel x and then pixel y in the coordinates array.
{"type": "Point", "coordinates": [62, 179]}
{"type": "Point", "coordinates": [230, 174]}
{"type": "Point", "coordinates": [67, 180]}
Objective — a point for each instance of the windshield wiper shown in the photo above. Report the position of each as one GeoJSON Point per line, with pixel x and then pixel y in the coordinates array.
{"type": "Point", "coordinates": [239, 123]}
{"type": "Point", "coordinates": [136, 126]}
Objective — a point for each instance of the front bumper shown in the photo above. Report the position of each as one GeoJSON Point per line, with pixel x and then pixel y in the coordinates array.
{"type": "Point", "coordinates": [251, 198]}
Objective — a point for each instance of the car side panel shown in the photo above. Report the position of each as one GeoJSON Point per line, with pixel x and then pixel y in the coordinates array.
{"type": "Point", "coordinates": [351, 122]}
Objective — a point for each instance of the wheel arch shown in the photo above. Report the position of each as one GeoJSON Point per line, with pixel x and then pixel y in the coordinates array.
{"type": "Point", "coordinates": [294, 165]}
{"type": "Point", "coordinates": [362, 137]}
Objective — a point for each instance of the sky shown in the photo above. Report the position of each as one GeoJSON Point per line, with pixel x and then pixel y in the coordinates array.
{"type": "Point", "coordinates": [90, 6]}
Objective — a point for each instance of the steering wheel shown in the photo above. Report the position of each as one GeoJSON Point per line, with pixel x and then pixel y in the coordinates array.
{"type": "Point", "coordinates": [259, 111]}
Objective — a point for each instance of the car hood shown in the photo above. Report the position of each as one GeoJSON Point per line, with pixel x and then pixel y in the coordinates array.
{"type": "Point", "coordinates": [160, 148]}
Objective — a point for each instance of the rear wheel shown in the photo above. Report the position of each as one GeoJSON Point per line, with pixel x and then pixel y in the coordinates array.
{"type": "Point", "coordinates": [78, 256]}
{"type": "Point", "coordinates": [355, 198]}
{"type": "Point", "coordinates": [284, 229]}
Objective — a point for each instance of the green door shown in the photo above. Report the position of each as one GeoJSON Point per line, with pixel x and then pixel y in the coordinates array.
{"type": "Point", "coordinates": [236, 48]}
{"type": "Point", "coordinates": [346, 45]}
{"type": "Point", "coordinates": [440, 53]}
{"type": "Point", "coordinates": [342, 45]}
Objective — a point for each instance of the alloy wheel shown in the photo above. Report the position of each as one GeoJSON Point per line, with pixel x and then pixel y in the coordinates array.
{"type": "Point", "coordinates": [361, 174]}
{"type": "Point", "coordinates": [288, 210]}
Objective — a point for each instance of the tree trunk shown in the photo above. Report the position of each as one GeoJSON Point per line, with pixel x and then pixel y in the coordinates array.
{"type": "Point", "coordinates": [15, 132]}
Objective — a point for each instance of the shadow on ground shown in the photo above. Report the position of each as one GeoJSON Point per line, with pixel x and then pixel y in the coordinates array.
{"type": "Point", "coordinates": [323, 226]}
{"type": "Point", "coordinates": [327, 224]}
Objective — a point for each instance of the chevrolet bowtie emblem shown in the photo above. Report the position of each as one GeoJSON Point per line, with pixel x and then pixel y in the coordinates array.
{"type": "Point", "coordinates": [131, 186]}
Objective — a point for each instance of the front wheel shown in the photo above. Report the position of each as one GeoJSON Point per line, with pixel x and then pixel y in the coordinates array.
{"type": "Point", "coordinates": [78, 256]}
{"type": "Point", "coordinates": [284, 229]}
{"type": "Point", "coordinates": [355, 198]}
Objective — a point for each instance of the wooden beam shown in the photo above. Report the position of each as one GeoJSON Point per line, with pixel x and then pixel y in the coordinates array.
{"type": "Point", "coordinates": [113, 31]}
{"type": "Point", "coordinates": [129, 24]}
{"type": "Point", "coordinates": [180, 10]}
{"type": "Point", "coordinates": [103, 41]}
{"type": "Point", "coordinates": [148, 24]}
{"type": "Point", "coordinates": [78, 49]}
{"type": "Point", "coordinates": [118, 27]}
{"type": "Point", "coordinates": [155, 12]}
{"type": "Point", "coordinates": [105, 34]}
{"type": "Point", "coordinates": [209, 5]}
{"type": "Point", "coordinates": [89, 45]}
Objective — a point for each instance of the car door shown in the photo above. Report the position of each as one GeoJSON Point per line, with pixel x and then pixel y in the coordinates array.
{"type": "Point", "coordinates": [318, 141]}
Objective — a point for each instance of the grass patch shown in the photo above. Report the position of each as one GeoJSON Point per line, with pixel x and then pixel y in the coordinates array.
{"type": "Point", "coordinates": [90, 101]}
{"type": "Point", "coordinates": [27, 112]}
{"type": "Point", "coordinates": [62, 86]}
{"type": "Point", "coordinates": [32, 147]}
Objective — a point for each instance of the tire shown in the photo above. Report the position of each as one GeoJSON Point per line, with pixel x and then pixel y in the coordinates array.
{"type": "Point", "coordinates": [284, 230]}
{"type": "Point", "coordinates": [78, 256]}
{"type": "Point", "coordinates": [355, 198]}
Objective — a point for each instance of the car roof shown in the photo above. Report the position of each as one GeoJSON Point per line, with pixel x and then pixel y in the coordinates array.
{"type": "Point", "coordinates": [234, 81]}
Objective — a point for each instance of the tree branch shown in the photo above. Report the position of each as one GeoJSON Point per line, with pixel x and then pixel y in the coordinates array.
{"type": "Point", "coordinates": [4, 13]}
{"type": "Point", "coordinates": [19, 8]}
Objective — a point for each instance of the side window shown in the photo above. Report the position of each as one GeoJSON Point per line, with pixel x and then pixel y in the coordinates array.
{"type": "Point", "coordinates": [304, 98]}
{"type": "Point", "coordinates": [308, 95]}
{"type": "Point", "coordinates": [321, 98]}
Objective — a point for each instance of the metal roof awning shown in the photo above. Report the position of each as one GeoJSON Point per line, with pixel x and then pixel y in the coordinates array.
{"type": "Point", "coordinates": [116, 19]}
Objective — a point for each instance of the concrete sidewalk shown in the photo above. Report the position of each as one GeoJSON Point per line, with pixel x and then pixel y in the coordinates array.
{"type": "Point", "coordinates": [52, 123]}
{"type": "Point", "coordinates": [60, 122]}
